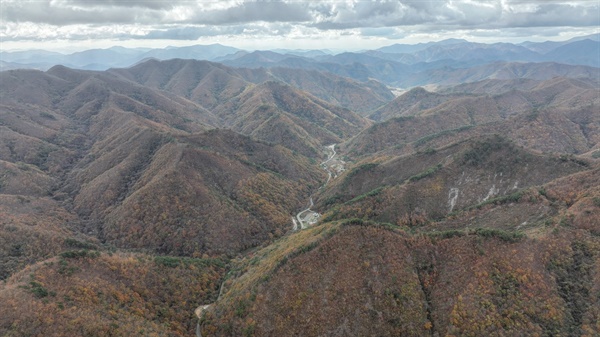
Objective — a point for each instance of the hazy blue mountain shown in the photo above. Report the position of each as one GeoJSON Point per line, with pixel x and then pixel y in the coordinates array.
{"type": "Point", "coordinates": [498, 70]}
{"type": "Point", "coordinates": [29, 56]}
{"type": "Point", "coordinates": [397, 65]}
{"type": "Point", "coordinates": [303, 52]}
{"type": "Point", "coordinates": [197, 52]}
{"type": "Point", "coordinates": [585, 52]}
{"type": "Point", "coordinates": [114, 57]}
{"type": "Point", "coordinates": [548, 46]}
{"type": "Point", "coordinates": [412, 48]}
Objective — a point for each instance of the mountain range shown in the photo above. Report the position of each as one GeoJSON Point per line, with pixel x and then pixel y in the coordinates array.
{"type": "Point", "coordinates": [437, 189]}
{"type": "Point", "coordinates": [387, 64]}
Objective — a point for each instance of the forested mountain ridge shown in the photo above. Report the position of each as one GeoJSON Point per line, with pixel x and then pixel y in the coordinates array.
{"type": "Point", "coordinates": [129, 197]}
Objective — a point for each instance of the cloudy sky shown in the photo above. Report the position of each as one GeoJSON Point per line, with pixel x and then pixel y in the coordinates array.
{"type": "Point", "coordinates": [70, 25]}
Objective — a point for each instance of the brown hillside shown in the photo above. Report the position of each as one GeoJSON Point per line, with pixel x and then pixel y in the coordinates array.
{"type": "Point", "coordinates": [373, 280]}
{"type": "Point", "coordinates": [113, 147]}
{"type": "Point", "coordinates": [31, 229]}
{"type": "Point", "coordinates": [218, 193]}
{"type": "Point", "coordinates": [211, 84]}
{"type": "Point", "coordinates": [130, 197]}
{"type": "Point", "coordinates": [409, 104]}
{"type": "Point", "coordinates": [262, 110]}
{"type": "Point", "coordinates": [557, 115]}
{"type": "Point", "coordinates": [480, 271]}
{"type": "Point", "coordinates": [430, 185]}
{"type": "Point", "coordinates": [501, 71]}
{"type": "Point", "coordinates": [85, 292]}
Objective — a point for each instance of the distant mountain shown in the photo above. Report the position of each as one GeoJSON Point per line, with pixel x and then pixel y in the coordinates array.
{"type": "Point", "coordinates": [114, 57]}
{"type": "Point", "coordinates": [279, 114]}
{"type": "Point", "coordinates": [303, 53]}
{"type": "Point", "coordinates": [498, 70]}
{"type": "Point", "coordinates": [391, 65]}
{"type": "Point", "coordinates": [437, 64]}
{"type": "Point", "coordinates": [476, 51]}
{"type": "Point", "coordinates": [561, 110]}
{"type": "Point", "coordinates": [410, 103]}
{"type": "Point", "coordinates": [210, 84]}
{"type": "Point", "coordinates": [198, 52]}
{"type": "Point", "coordinates": [31, 56]}
{"type": "Point", "coordinates": [585, 52]}
{"type": "Point", "coordinates": [412, 48]}
{"type": "Point", "coordinates": [547, 46]}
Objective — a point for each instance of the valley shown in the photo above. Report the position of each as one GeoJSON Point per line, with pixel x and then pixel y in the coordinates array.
{"type": "Point", "coordinates": [333, 166]}
{"type": "Point", "coordinates": [275, 194]}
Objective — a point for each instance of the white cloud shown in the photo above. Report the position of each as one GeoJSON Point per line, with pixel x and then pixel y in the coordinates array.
{"type": "Point", "coordinates": [187, 20]}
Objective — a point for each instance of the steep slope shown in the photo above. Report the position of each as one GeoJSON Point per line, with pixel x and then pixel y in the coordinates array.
{"type": "Point", "coordinates": [85, 292]}
{"type": "Point", "coordinates": [217, 193]}
{"type": "Point", "coordinates": [360, 97]}
{"type": "Point", "coordinates": [279, 114]}
{"type": "Point", "coordinates": [464, 273]}
{"type": "Point", "coordinates": [211, 84]}
{"type": "Point", "coordinates": [107, 148]}
{"type": "Point", "coordinates": [410, 103]}
{"type": "Point", "coordinates": [560, 109]}
{"type": "Point", "coordinates": [395, 283]}
{"type": "Point", "coordinates": [427, 186]}
{"type": "Point", "coordinates": [431, 225]}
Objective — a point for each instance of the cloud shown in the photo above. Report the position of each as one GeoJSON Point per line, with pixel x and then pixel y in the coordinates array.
{"type": "Point", "coordinates": [149, 4]}
{"type": "Point", "coordinates": [268, 11]}
{"type": "Point", "coordinates": [193, 19]}
{"type": "Point", "coordinates": [197, 32]}
{"type": "Point", "coordinates": [191, 32]}
{"type": "Point", "coordinates": [555, 14]}
{"type": "Point", "coordinates": [459, 14]}
{"type": "Point", "coordinates": [63, 14]}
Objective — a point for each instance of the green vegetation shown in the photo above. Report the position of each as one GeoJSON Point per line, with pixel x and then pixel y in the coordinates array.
{"type": "Point", "coordinates": [372, 193]}
{"type": "Point", "coordinates": [332, 200]}
{"type": "Point", "coordinates": [74, 243]}
{"type": "Point", "coordinates": [80, 254]}
{"type": "Point", "coordinates": [446, 234]}
{"type": "Point", "coordinates": [510, 237]}
{"type": "Point", "coordinates": [505, 199]}
{"type": "Point", "coordinates": [483, 149]}
{"type": "Point", "coordinates": [433, 136]}
{"type": "Point", "coordinates": [426, 173]}
{"type": "Point", "coordinates": [47, 115]}
{"type": "Point", "coordinates": [367, 223]}
{"type": "Point", "coordinates": [359, 169]}
{"type": "Point", "coordinates": [174, 262]}
{"type": "Point", "coordinates": [38, 290]}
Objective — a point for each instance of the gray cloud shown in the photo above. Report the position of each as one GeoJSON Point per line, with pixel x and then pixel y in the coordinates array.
{"type": "Point", "coordinates": [135, 4]}
{"type": "Point", "coordinates": [556, 14]}
{"type": "Point", "coordinates": [196, 32]}
{"type": "Point", "coordinates": [265, 10]}
{"type": "Point", "coordinates": [466, 14]}
{"type": "Point", "coordinates": [189, 20]}
{"type": "Point", "coordinates": [190, 33]}
{"type": "Point", "coordinates": [60, 15]}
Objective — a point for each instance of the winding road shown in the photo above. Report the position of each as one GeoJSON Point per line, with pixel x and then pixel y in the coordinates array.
{"type": "Point", "coordinates": [308, 217]}
{"type": "Point", "coordinates": [302, 220]}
